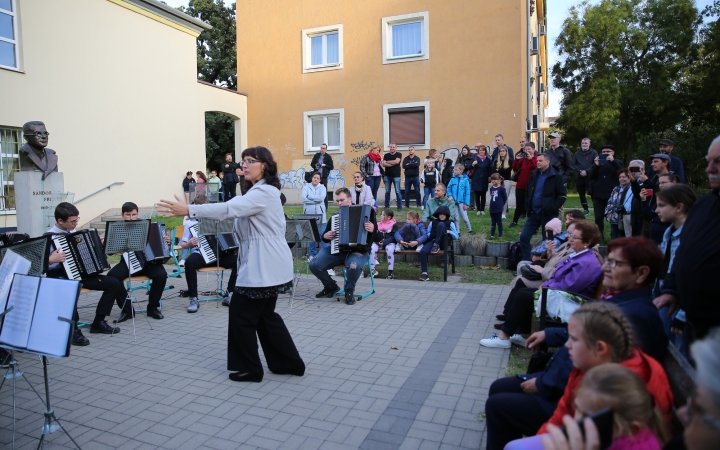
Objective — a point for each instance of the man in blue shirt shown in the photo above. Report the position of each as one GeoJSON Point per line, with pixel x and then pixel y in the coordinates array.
{"type": "Point", "coordinates": [676, 165]}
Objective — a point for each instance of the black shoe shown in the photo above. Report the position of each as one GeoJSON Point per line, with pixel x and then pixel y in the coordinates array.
{"type": "Point", "coordinates": [328, 292]}
{"type": "Point", "coordinates": [246, 377]}
{"type": "Point", "coordinates": [512, 224]}
{"type": "Point", "coordinates": [123, 317]}
{"type": "Point", "coordinates": [500, 316]}
{"type": "Point", "coordinates": [4, 359]}
{"type": "Point", "coordinates": [298, 372]}
{"type": "Point", "coordinates": [102, 327]}
{"type": "Point", "coordinates": [155, 314]}
{"type": "Point", "coordinates": [349, 298]}
{"type": "Point", "coordinates": [79, 339]}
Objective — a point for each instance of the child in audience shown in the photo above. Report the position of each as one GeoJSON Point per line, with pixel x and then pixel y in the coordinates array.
{"type": "Point", "coordinates": [439, 226]}
{"type": "Point", "coordinates": [387, 226]}
{"type": "Point", "coordinates": [458, 190]}
{"type": "Point", "coordinates": [498, 198]}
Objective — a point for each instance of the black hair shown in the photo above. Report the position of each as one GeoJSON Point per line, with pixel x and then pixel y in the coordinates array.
{"type": "Point", "coordinates": [283, 199]}
{"type": "Point", "coordinates": [672, 177]}
{"type": "Point", "coordinates": [388, 212]}
{"type": "Point", "coordinates": [678, 194]}
{"type": "Point", "coordinates": [530, 144]}
{"type": "Point", "coordinates": [65, 211]}
{"type": "Point", "coordinates": [270, 174]}
{"type": "Point", "coordinates": [129, 207]}
{"type": "Point", "coordinates": [576, 214]}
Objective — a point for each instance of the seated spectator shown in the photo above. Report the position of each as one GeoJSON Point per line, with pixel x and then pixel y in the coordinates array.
{"type": "Point", "coordinates": [412, 234]}
{"type": "Point", "coordinates": [559, 236]}
{"type": "Point", "coordinates": [387, 228]}
{"type": "Point", "coordinates": [440, 226]}
{"type": "Point", "coordinates": [440, 199]}
{"type": "Point", "coordinates": [619, 203]}
{"type": "Point", "coordinates": [361, 192]}
{"type": "Point", "coordinates": [579, 274]}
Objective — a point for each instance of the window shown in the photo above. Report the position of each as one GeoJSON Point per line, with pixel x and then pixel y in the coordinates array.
{"type": "Point", "coordinates": [322, 48]}
{"type": "Point", "coordinates": [10, 142]}
{"type": "Point", "coordinates": [405, 38]}
{"type": "Point", "coordinates": [8, 35]}
{"type": "Point", "coordinates": [407, 124]}
{"type": "Point", "coordinates": [324, 127]}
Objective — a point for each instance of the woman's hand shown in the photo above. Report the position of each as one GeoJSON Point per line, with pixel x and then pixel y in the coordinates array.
{"type": "Point", "coordinates": [169, 208]}
{"type": "Point", "coordinates": [535, 339]}
{"type": "Point", "coordinates": [556, 439]}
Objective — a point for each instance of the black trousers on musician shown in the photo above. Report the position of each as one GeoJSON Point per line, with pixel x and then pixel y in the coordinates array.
{"type": "Point", "coordinates": [195, 261]}
{"type": "Point", "coordinates": [112, 291]}
{"type": "Point", "coordinates": [156, 273]}
{"type": "Point", "coordinates": [253, 318]}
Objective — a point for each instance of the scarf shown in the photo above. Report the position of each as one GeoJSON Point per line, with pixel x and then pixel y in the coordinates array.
{"type": "Point", "coordinates": [386, 226]}
{"type": "Point", "coordinates": [374, 157]}
{"type": "Point", "coordinates": [358, 187]}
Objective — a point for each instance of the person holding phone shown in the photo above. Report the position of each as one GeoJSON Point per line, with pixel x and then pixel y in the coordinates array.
{"type": "Point", "coordinates": [603, 175]}
{"type": "Point", "coordinates": [638, 181]}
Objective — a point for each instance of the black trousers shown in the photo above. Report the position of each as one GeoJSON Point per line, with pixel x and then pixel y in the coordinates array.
{"type": "Point", "coordinates": [156, 273]}
{"type": "Point", "coordinates": [252, 319]}
{"type": "Point", "coordinates": [519, 204]}
{"type": "Point", "coordinates": [323, 181]}
{"type": "Point", "coordinates": [599, 205]}
{"type": "Point", "coordinates": [229, 190]}
{"type": "Point", "coordinates": [511, 298]}
{"type": "Point", "coordinates": [519, 311]}
{"type": "Point", "coordinates": [112, 291]}
{"type": "Point", "coordinates": [582, 183]}
{"type": "Point", "coordinates": [512, 414]}
{"type": "Point", "coordinates": [195, 261]}
{"type": "Point", "coordinates": [480, 200]}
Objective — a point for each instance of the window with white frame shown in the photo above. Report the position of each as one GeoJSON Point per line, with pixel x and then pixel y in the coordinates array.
{"type": "Point", "coordinates": [324, 127]}
{"type": "Point", "coordinates": [322, 48]}
{"type": "Point", "coordinates": [9, 57]}
{"type": "Point", "coordinates": [407, 124]}
{"type": "Point", "coordinates": [10, 142]}
{"type": "Point", "coordinates": [406, 38]}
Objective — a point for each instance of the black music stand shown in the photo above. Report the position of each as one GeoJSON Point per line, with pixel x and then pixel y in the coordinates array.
{"type": "Point", "coordinates": [123, 236]}
{"type": "Point", "coordinates": [302, 229]}
{"type": "Point", "coordinates": [35, 250]}
{"type": "Point", "coordinates": [216, 227]}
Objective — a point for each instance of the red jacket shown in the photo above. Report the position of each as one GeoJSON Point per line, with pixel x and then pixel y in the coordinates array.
{"type": "Point", "coordinates": [525, 166]}
{"type": "Point", "coordinates": [649, 370]}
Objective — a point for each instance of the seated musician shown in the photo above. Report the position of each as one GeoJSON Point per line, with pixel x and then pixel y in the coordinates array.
{"type": "Point", "coordinates": [354, 260]}
{"type": "Point", "coordinates": [156, 273]}
{"type": "Point", "coordinates": [196, 261]}
{"type": "Point", "coordinates": [66, 219]}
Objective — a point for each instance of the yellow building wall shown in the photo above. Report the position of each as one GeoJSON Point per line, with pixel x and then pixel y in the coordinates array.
{"type": "Point", "coordinates": [475, 78]}
{"type": "Point", "coordinates": [119, 95]}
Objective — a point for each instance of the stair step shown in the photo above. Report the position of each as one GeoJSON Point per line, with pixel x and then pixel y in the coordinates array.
{"type": "Point", "coordinates": [100, 226]}
{"type": "Point", "coordinates": [110, 218]}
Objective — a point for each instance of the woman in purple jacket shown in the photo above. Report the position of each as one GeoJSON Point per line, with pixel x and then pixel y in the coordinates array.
{"type": "Point", "coordinates": [579, 274]}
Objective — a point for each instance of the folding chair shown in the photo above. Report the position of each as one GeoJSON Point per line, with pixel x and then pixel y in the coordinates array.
{"type": "Point", "coordinates": [372, 283]}
{"type": "Point", "coordinates": [218, 291]}
{"type": "Point", "coordinates": [82, 324]}
{"type": "Point", "coordinates": [178, 231]}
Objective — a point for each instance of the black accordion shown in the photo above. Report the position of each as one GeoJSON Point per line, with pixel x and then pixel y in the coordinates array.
{"type": "Point", "coordinates": [209, 244]}
{"type": "Point", "coordinates": [157, 251]}
{"type": "Point", "coordinates": [349, 224]}
{"type": "Point", "coordinates": [84, 255]}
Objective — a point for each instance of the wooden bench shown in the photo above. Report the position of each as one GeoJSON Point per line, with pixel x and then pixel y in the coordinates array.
{"type": "Point", "coordinates": [448, 255]}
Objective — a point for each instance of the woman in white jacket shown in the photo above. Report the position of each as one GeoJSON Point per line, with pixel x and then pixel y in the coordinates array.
{"type": "Point", "coordinates": [313, 198]}
{"type": "Point", "coordinates": [264, 266]}
{"type": "Point", "coordinates": [361, 193]}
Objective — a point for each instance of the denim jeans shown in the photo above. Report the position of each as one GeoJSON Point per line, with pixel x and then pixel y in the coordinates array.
{"type": "Point", "coordinates": [312, 247]}
{"type": "Point", "coordinates": [428, 245]}
{"type": "Point", "coordinates": [354, 263]}
{"type": "Point", "coordinates": [415, 183]}
{"type": "Point", "coordinates": [374, 183]}
{"type": "Point", "coordinates": [429, 193]}
{"type": "Point", "coordinates": [398, 194]}
{"type": "Point", "coordinates": [533, 222]}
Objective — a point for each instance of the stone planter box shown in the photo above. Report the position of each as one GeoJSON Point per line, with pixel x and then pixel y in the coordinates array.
{"type": "Point", "coordinates": [463, 260]}
{"type": "Point", "coordinates": [467, 250]}
{"type": "Point", "coordinates": [457, 248]}
{"type": "Point", "coordinates": [502, 262]}
{"type": "Point", "coordinates": [481, 261]}
{"type": "Point", "coordinates": [501, 249]}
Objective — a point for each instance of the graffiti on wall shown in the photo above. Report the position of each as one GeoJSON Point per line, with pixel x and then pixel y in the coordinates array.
{"type": "Point", "coordinates": [361, 146]}
{"type": "Point", "coordinates": [295, 179]}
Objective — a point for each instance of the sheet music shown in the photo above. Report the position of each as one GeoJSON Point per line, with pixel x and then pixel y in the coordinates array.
{"type": "Point", "coordinates": [16, 326]}
{"type": "Point", "coordinates": [12, 264]}
{"type": "Point", "coordinates": [56, 298]}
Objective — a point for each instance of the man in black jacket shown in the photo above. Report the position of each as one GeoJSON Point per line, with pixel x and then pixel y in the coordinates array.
{"type": "Point", "coordinates": [546, 193]}
{"type": "Point", "coordinates": [560, 157]}
{"type": "Point", "coordinates": [583, 162]}
{"type": "Point", "coordinates": [411, 165]}
{"type": "Point", "coordinates": [323, 164]}
{"type": "Point", "coordinates": [604, 178]}
{"type": "Point", "coordinates": [230, 180]}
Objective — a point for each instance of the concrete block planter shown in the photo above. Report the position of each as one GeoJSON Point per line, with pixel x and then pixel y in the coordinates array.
{"type": "Point", "coordinates": [482, 261]}
{"type": "Point", "coordinates": [501, 249]}
{"type": "Point", "coordinates": [463, 260]}
{"type": "Point", "coordinates": [457, 248]}
{"type": "Point", "coordinates": [502, 262]}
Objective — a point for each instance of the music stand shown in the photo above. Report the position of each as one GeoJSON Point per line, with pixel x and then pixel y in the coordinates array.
{"type": "Point", "coordinates": [123, 236]}
{"type": "Point", "coordinates": [35, 250]}
{"type": "Point", "coordinates": [215, 227]}
{"type": "Point", "coordinates": [301, 230]}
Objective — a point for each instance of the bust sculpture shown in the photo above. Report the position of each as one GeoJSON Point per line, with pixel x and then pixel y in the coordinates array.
{"type": "Point", "coordinates": [33, 154]}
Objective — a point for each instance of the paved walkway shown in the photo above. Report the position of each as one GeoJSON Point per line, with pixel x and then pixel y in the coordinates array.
{"type": "Point", "coordinates": [171, 390]}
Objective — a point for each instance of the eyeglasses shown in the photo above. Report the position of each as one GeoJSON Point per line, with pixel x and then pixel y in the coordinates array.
{"type": "Point", "coordinates": [357, 177]}
{"type": "Point", "coordinates": [693, 409]}
{"type": "Point", "coordinates": [249, 161]}
{"type": "Point", "coordinates": [72, 222]}
{"type": "Point", "coordinates": [39, 134]}
{"type": "Point", "coordinates": [573, 237]}
{"type": "Point", "coordinates": [614, 262]}
{"type": "Point", "coordinates": [607, 153]}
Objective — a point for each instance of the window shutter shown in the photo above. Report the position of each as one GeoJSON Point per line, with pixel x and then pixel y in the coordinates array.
{"type": "Point", "coordinates": [407, 127]}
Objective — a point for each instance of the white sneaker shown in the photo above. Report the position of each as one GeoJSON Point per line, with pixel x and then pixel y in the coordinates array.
{"type": "Point", "coordinates": [518, 340]}
{"type": "Point", "coordinates": [495, 342]}
{"type": "Point", "coordinates": [482, 213]}
{"type": "Point", "coordinates": [193, 307]}
{"type": "Point", "coordinates": [331, 272]}
{"type": "Point", "coordinates": [377, 262]}
{"type": "Point", "coordinates": [477, 213]}
{"type": "Point", "coordinates": [182, 263]}
{"type": "Point", "coordinates": [375, 273]}
{"type": "Point", "coordinates": [504, 216]}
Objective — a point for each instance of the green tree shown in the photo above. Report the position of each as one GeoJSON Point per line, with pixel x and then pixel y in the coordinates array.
{"type": "Point", "coordinates": [701, 79]}
{"type": "Point", "coordinates": [621, 67]}
{"type": "Point", "coordinates": [217, 64]}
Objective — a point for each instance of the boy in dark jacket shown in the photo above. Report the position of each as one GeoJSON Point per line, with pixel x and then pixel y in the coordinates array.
{"type": "Point", "coordinates": [435, 240]}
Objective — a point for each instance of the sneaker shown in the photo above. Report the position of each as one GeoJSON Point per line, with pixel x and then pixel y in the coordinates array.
{"type": "Point", "coordinates": [471, 232]}
{"type": "Point", "coordinates": [424, 277]}
{"type": "Point", "coordinates": [435, 248]}
{"type": "Point", "coordinates": [349, 298]}
{"type": "Point", "coordinates": [182, 263]}
{"type": "Point", "coordinates": [504, 216]}
{"type": "Point", "coordinates": [375, 273]}
{"type": "Point", "coordinates": [390, 275]}
{"type": "Point", "coordinates": [328, 292]}
{"type": "Point", "coordinates": [331, 272]}
{"type": "Point", "coordinates": [226, 301]}
{"type": "Point", "coordinates": [495, 342]}
{"type": "Point", "coordinates": [482, 213]}
{"type": "Point", "coordinates": [586, 212]}
{"type": "Point", "coordinates": [518, 340]}
{"type": "Point", "coordinates": [193, 306]}
{"type": "Point", "coordinates": [512, 224]}
{"type": "Point", "coordinates": [477, 213]}
{"type": "Point", "coordinates": [310, 258]}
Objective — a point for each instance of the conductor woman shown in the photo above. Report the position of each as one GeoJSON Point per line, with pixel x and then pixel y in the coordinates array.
{"type": "Point", "coordinates": [264, 266]}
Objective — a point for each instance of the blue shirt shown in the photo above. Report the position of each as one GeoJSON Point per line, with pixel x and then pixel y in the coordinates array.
{"type": "Point", "coordinates": [537, 203]}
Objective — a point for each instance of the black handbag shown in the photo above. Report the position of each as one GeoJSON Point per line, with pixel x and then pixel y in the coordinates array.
{"type": "Point", "coordinates": [538, 361]}
{"type": "Point", "coordinates": [529, 273]}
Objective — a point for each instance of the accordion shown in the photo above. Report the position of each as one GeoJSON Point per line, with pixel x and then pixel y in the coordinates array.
{"type": "Point", "coordinates": [349, 226]}
{"type": "Point", "coordinates": [84, 255]}
{"type": "Point", "coordinates": [157, 251]}
{"type": "Point", "coordinates": [209, 244]}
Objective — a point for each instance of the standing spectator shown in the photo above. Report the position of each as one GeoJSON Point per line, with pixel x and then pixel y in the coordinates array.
{"type": "Point", "coordinates": [214, 186]}
{"type": "Point", "coordinates": [435, 157]}
{"type": "Point", "coordinates": [411, 165]}
{"type": "Point", "coordinates": [323, 163]}
{"type": "Point", "coordinates": [693, 282]}
{"type": "Point", "coordinates": [458, 190]}
{"type": "Point", "coordinates": [500, 141]}
{"type": "Point", "coordinates": [523, 143]}
{"type": "Point", "coordinates": [372, 169]}
{"type": "Point", "coordinates": [465, 158]}
{"type": "Point", "coordinates": [676, 164]}
{"type": "Point", "coordinates": [603, 174]}
{"type": "Point", "coordinates": [583, 162]}
{"type": "Point", "coordinates": [481, 177]}
{"type": "Point", "coordinates": [391, 163]}
{"type": "Point", "coordinates": [614, 210]}
{"type": "Point", "coordinates": [429, 178]}
{"type": "Point", "coordinates": [502, 165]}
{"type": "Point", "coordinates": [361, 194]}
{"type": "Point", "coordinates": [560, 157]}
{"type": "Point", "coordinates": [201, 185]}
{"type": "Point", "coordinates": [524, 164]}
{"type": "Point", "coordinates": [640, 182]}
{"type": "Point", "coordinates": [447, 171]}
{"type": "Point", "coordinates": [239, 174]}
{"type": "Point", "coordinates": [498, 200]}
{"type": "Point", "coordinates": [188, 181]}
{"type": "Point", "coordinates": [221, 176]}
{"type": "Point", "coordinates": [546, 193]}
{"type": "Point", "coordinates": [313, 198]}
{"type": "Point", "coordinates": [230, 180]}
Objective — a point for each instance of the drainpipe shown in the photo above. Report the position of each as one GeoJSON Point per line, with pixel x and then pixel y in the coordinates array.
{"type": "Point", "coordinates": [529, 69]}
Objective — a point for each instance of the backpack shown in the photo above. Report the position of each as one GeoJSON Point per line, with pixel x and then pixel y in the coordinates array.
{"type": "Point", "coordinates": [515, 256]}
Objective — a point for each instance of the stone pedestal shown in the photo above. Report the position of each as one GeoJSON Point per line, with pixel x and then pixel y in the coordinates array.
{"type": "Point", "coordinates": [36, 199]}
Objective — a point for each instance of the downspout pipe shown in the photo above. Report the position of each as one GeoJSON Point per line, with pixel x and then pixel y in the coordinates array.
{"type": "Point", "coordinates": [528, 69]}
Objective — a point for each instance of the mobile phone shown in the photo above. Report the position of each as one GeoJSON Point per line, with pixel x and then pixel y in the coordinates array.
{"type": "Point", "coordinates": [603, 158]}
{"type": "Point", "coordinates": [522, 376]}
{"type": "Point", "coordinates": [649, 192]}
{"type": "Point", "coordinates": [634, 169]}
{"type": "Point", "coordinates": [604, 422]}
{"type": "Point", "coordinates": [550, 234]}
